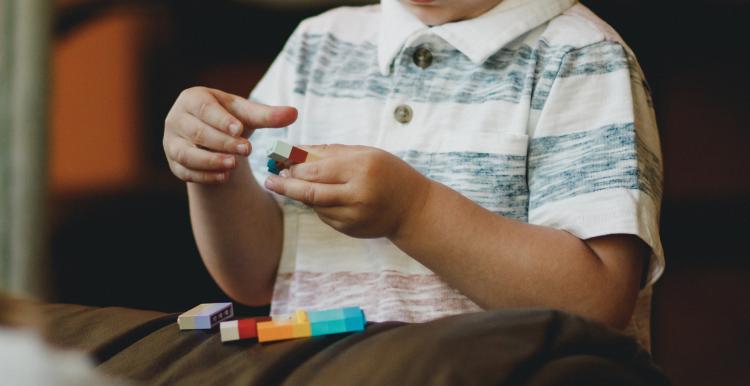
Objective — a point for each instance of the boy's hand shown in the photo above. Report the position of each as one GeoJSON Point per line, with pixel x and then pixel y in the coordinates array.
{"type": "Point", "coordinates": [207, 129]}
{"type": "Point", "coordinates": [360, 191]}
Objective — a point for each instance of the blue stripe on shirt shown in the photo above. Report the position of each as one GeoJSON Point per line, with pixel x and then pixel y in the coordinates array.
{"type": "Point", "coordinates": [611, 157]}
{"type": "Point", "coordinates": [329, 67]}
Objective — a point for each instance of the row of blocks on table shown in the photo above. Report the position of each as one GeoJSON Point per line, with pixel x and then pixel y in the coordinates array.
{"type": "Point", "coordinates": [300, 324]}
{"type": "Point", "coordinates": [283, 155]}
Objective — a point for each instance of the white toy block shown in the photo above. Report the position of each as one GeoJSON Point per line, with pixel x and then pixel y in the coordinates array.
{"type": "Point", "coordinates": [205, 316]}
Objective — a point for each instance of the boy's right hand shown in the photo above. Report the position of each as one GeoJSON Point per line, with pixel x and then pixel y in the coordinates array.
{"type": "Point", "coordinates": [207, 129]}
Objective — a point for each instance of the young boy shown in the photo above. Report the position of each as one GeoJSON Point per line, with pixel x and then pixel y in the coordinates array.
{"type": "Point", "coordinates": [489, 154]}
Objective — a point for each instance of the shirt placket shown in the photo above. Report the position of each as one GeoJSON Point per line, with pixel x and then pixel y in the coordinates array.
{"type": "Point", "coordinates": [401, 110]}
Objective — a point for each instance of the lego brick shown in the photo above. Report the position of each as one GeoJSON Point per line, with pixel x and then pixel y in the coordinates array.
{"type": "Point", "coordinates": [327, 322]}
{"type": "Point", "coordinates": [301, 330]}
{"type": "Point", "coordinates": [240, 329]}
{"type": "Point", "coordinates": [283, 155]}
{"type": "Point", "coordinates": [280, 151]}
{"type": "Point", "coordinates": [205, 316]}
{"type": "Point", "coordinates": [297, 155]}
{"type": "Point", "coordinates": [326, 315]}
{"type": "Point", "coordinates": [229, 331]}
{"type": "Point", "coordinates": [311, 323]}
{"type": "Point", "coordinates": [273, 166]}
{"type": "Point", "coordinates": [336, 321]}
{"type": "Point", "coordinates": [272, 331]}
{"type": "Point", "coordinates": [248, 328]}
{"type": "Point", "coordinates": [328, 327]}
{"type": "Point", "coordinates": [286, 326]}
{"type": "Point", "coordinates": [353, 325]}
{"type": "Point", "coordinates": [301, 316]}
{"type": "Point", "coordinates": [354, 319]}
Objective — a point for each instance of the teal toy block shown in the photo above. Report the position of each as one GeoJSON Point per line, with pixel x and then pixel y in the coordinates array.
{"type": "Point", "coordinates": [336, 321]}
{"type": "Point", "coordinates": [272, 168]}
{"type": "Point", "coordinates": [326, 322]}
{"type": "Point", "coordinates": [326, 315]}
{"type": "Point", "coordinates": [354, 318]}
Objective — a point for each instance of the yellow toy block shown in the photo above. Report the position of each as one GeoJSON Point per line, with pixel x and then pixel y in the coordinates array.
{"type": "Point", "coordinates": [301, 330]}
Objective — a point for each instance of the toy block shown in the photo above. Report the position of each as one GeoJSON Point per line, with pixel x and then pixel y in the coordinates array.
{"type": "Point", "coordinates": [240, 329]}
{"type": "Point", "coordinates": [280, 151]}
{"type": "Point", "coordinates": [286, 326]}
{"type": "Point", "coordinates": [301, 330]}
{"type": "Point", "coordinates": [272, 331]}
{"type": "Point", "coordinates": [354, 318]}
{"type": "Point", "coordinates": [286, 155]}
{"type": "Point", "coordinates": [336, 321]}
{"type": "Point", "coordinates": [303, 324]}
{"type": "Point", "coordinates": [301, 316]}
{"type": "Point", "coordinates": [205, 316]}
{"type": "Point", "coordinates": [297, 155]}
{"type": "Point", "coordinates": [273, 166]}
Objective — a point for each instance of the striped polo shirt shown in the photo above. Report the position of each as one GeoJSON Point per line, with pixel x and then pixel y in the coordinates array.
{"type": "Point", "coordinates": [535, 110]}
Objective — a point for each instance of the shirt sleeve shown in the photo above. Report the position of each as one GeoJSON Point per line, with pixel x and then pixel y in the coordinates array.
{"type": "Point", "coordinates": [594, 160]}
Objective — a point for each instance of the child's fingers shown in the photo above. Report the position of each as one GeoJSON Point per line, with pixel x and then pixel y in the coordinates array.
{"type": "Point", "coordinates": [256, 115]}
{"type": "Point", "coordinates": [198, 132]}
{"type": "Point", "coordinates": [197, 176]}
{"type": "Point", "coordinates": [309, 193]}
{"type": "Point", "coordinates": [329, 150]}
{"type": "Point", "coordinates": [202, 104]}
{"type": "Point", "coordinates": [326, 170]}
{"type": "Point", "coordinates": [194, 158]}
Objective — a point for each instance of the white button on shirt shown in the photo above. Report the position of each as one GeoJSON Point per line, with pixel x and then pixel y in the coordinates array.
{"type": "Point", "coordinates": [535, 110]}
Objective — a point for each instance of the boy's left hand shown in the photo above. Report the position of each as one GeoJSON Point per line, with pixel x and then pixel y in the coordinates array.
{"type": "Point", "coordinates": [360, 191]}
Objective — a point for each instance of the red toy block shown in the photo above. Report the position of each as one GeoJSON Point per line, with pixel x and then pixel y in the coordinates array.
{"type": "Point", "coordinates": [297, 155]}
{"type": "Point", "coordinates": [248, 328]}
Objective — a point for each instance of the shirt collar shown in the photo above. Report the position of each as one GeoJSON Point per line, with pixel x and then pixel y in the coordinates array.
{"type": "Point", "coordinates": [476, 38]}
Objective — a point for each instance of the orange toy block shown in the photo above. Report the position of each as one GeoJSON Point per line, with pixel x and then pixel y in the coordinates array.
{"type": "Point", "coordinates": [283, 327]}
{"type": "Point", "coordinates": [272, 331]}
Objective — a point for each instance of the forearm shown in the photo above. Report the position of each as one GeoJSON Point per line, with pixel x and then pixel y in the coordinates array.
{"type": "Point", "coordinates": [238, 230]}
{"type": "Point", "coordinates": [499, 262]}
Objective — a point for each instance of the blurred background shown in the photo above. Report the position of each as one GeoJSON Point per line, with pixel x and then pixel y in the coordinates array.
{"type": "Point", "coordinates": [90, 214]}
